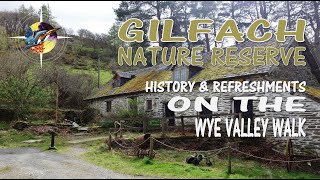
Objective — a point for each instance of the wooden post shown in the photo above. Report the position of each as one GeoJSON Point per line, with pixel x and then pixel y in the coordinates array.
{"type": "Point", "coordinates": [182, 124]}
{"type": "Point", "coordinates": [98, 72]}
{"type": "Point", "coordinates": [120, 130]}
{"type": "Point", "coordinates": [151, 148]}
{"type": "Point", "coordinates": [229, 158]}
{"type": "Point", "coordinates": [145, 126]}
{"type": "Point", "coordinates": [166, 125]}
{"type": "Point", "coordinates": [115, 127]}
{"type": "Point", "coordinates": [289, 154]}
{"type": "Point", "coordinates": [57, 101]}
{"type": "Point", "coordinates": [109, 142]}
{"type": "Point", "coordinates": [163, 126]}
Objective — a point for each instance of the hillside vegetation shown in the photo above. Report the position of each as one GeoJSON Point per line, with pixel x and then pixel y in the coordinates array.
{"type": "Point", "coordinates": [59, 84]}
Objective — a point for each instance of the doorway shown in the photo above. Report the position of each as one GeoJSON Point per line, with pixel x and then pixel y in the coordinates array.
{"type": "Point", "coordinates": [169, 113]}
{"type": "Point", "coordinates": [245, 115]}
{"type": "Point", "coordinates": [205, 113]}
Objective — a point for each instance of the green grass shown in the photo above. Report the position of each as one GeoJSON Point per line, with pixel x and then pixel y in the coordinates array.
{"type": "Point", "coordinates": [14, 138]}
{"type": "Point", "coordinates": [105, 75]}
{"type": "Point", "coordinates": [167, 163]}
{"type": "Point", "coordinates": [4, 125]}
{"type": "Point", "coordinates": [171, 164]}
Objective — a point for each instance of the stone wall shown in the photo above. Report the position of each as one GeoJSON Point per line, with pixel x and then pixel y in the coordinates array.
{"type": "Point", "coordinates": [303, 144]}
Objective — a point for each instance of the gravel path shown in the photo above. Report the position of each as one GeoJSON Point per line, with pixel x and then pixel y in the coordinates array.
{"type": "Point", "coordinates": [32, 163]}
{"type": "Point", "coordinates": [87, 140]}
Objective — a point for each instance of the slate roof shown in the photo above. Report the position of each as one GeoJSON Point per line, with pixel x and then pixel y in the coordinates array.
{"type": "Point", "coordinates": [208, 72]}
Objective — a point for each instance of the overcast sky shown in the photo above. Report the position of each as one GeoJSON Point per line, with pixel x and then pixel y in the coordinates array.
{"type": "Point", "coordinates": [96, 16]}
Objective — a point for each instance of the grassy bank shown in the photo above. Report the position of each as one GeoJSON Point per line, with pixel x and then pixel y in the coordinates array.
{"type": "Point", "coordinates": [14, 139]}
{"type": "Point", "coordinates": [171, 164]}
{"type": "Point", "coordinates": [105, 75]}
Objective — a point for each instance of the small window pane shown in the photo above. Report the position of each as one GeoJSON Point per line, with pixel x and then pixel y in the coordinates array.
{"type": "Point", "coordinates": [149, 104]}
{"type": "Point", "coordinates": [108, 106]}
{"type": "Point", "coordinates": [177, 74]}
{"type": "Point", "coordinates": [184, 76]}
{"type": "Point", "coordinates": [116, 83]}
{"type": "Point", "coordinates": [181, 74]}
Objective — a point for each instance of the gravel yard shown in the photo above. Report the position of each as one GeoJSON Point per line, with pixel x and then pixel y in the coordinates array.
{"type": "Point", "coordinates": [34, 164]}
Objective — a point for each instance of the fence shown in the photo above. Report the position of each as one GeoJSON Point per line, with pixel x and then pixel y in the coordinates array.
{"type": "Point", "coordinates": [164, 123]}
{"type": "Point", "coordinates": [215, 152]}
{"type": "Point", "coordinates": [229, 148]}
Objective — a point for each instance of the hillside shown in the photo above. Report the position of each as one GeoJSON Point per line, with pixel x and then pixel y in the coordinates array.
{"type": "Point", "coordinates": [81, 59]}
{"type": "Point", "coordinates": [105, 75]}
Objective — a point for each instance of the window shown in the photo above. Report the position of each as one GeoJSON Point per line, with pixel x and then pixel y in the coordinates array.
{"type": "Point", "coordinates": [236, 109]}
{"type": "Point", "coordinates": [184, 74]}
{"type": "Point", "coordinates": [181, 73]}
{"type": "Point", "coordinates": [149, 105]}
{"type": "Point", "coordinates": [176, 76]}
{"type": "Point", "coordinates": [108, 104]}
{"type": "Point", "coordinates": [116, 83]}
{"type": "Point", "coordinates": [170, 114]}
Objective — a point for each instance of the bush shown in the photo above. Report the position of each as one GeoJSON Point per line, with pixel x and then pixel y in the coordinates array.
{"type": "Point", "coordinates": [84, 51]}
{"type": "Point", "coordinates": [107, 124]}
{"type": "Point", "coordinates": [132, 112]}
{"type": "Point", "coordinates": [147, 161]}
{"type": "Point", "coordinates": [22, 94]}
{"type": "Point", "coordinates": [4, 125]}
{"type": "Point", "coordinates": [43, 115]}
{"type": "Point", "coordinates": [89, 115]}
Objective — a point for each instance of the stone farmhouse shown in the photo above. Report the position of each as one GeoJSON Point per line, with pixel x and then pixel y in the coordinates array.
{"type": "Point", "coordinates": [131, 85]}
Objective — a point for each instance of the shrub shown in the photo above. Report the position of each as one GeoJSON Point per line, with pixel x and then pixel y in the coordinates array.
{"type": "Point", "coordinates": [23, 93]}
{"type": "Point", "coordinates": [136, 117]}
{"type": "Point", "coordinates": [107, 124]}
{"type": "Point", "coordinates": [132, 112]}
{"type": "Point", "coordinates": [89, 115]}
{"type": "Point", "coordinates": [43, 114]}
{"type": "Point", "coordinates": [147, 161]}
{"type": "Point", "coordinates": [4, 125]}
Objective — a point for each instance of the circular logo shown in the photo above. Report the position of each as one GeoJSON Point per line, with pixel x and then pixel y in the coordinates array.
{"type": "Point", "coordinates": [41, 38]}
